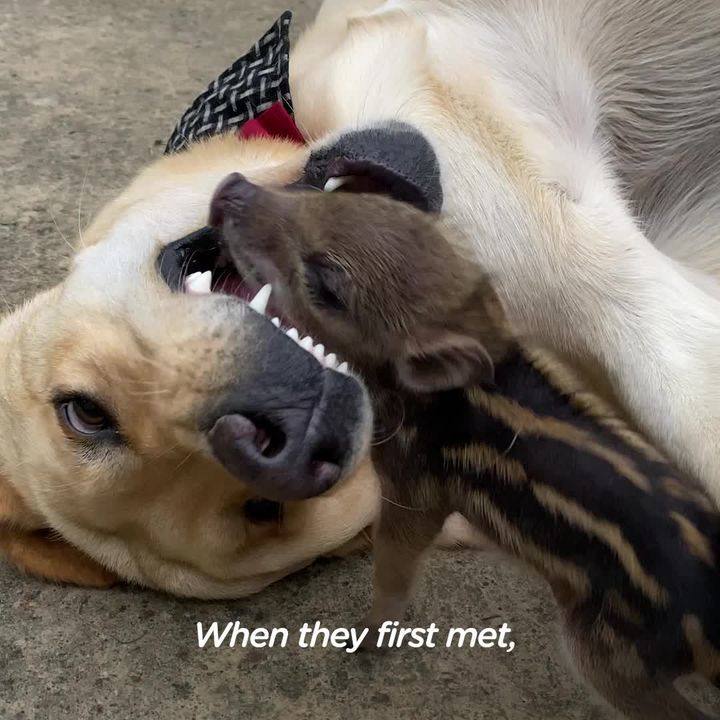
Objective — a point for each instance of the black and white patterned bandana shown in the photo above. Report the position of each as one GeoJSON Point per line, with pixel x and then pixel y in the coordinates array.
{"type": "Point", "coordinates": [253, 83]}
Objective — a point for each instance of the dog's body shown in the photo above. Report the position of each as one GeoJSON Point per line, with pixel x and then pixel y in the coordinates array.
{"type": "Point", "coordinates": [578, 151]}
{"type": "Point", "coordinates": [629, 546]}
{"type": "Point", "coordinates": [552, 121]}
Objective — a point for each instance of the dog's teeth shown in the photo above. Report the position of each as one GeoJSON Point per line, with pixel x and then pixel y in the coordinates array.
{"type": "Point", "coordinates": [331, 360]}
{"type": "Point", "coordinates": [334, 183]}
{"type": "Point", "coordinates": [343, 368]}
{"type": "Point", "coordinates": [293, 333]}
{"type": "Point", "coordinates": [260, 301]}
{"type": "Point", "coordinates": [276, 322]}
{"type": "Point", "coordinates": [319, 352]}
{"type": "Point", "coordinates": [307, 344]}
{"type": "Point", "coordinates": [206, 281]}
{"type": "Point", "coordinates": [199, 283]}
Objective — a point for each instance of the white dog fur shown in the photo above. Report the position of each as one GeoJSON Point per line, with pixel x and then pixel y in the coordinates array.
{"type": "Point", "coordinates": [578, 148]}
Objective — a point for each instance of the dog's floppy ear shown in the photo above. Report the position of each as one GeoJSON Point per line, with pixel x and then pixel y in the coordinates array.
{"type": "Point", "coordinates": [394, 159]}
{"type": "Point", "coordinates": [443, 361]}
{"type": "Point", "coordinates": [40, 553]}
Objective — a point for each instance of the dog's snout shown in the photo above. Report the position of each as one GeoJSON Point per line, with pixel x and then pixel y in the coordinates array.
{"type": "Point", "coordinates": [235, 193]}
{"type": "Point", "coordinates": [293, 428]}
{"type": "Point", "coordinates": [285, 454]}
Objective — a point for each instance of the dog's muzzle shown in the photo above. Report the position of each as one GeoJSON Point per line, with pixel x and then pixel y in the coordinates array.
{"type": "Point", "coordinates": [291, 428]}
{"type": "Point", "coordinates": [291, 422]}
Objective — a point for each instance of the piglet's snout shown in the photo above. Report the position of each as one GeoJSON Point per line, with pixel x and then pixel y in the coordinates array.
{"type": "Point", "coordinates": [256, 226]}
{"type": "Point", "coordinates": [235, 197]}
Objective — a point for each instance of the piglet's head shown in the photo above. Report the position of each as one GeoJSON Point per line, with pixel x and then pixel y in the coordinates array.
{"type": "Point", "coordinates": [376, 280]}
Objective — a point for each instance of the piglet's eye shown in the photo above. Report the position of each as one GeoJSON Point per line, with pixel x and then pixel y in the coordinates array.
{"type": "Point", "coordinates": [326, 283]}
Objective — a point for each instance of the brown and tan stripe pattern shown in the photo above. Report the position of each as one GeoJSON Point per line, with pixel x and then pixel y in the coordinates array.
{"type": "Point", "coordinates": [526, 422]}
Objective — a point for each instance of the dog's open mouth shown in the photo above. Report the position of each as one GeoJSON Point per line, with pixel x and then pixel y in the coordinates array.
{"type": "Point", "coordinates": [260, 303]}
{"type": "Point", "coordinates": [199, 264]}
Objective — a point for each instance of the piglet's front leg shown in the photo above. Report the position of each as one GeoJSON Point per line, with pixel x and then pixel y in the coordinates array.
{"type": "Point", "coordinates": [402, 536]}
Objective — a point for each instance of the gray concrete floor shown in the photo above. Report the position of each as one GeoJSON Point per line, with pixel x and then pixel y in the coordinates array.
{"type": "Point", "coordinates": [89, 90]}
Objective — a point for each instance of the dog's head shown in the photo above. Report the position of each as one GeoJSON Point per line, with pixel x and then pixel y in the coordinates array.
{"type": "Point", "coordinates": [139, 415]}
{"type": "Point", "coordinates": [375, 279]}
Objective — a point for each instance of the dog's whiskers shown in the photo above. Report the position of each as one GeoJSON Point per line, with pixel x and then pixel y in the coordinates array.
{"type": "Point", "coordinates": [184, 460]}
{"type": "Point", "coordinates": [60, 232]}
{"type": "Point", "coordinates": [367, 536]}
{"type": "Point", "coordinates": [185, 267]}
{"type": "Point", "coordinates": [166, 451]}
{"type": "Point", "coordinates": [79, 208]}
{"type": "Point", "coordinates": [378, 439]}
{"type": "Point", "coordinates": [512, 443]}
{"type": "Point", "coordinates": [143, 393]}
{"type": "Point", "coordinates": [163, 367]}
{"type": "Point", "coordinates": [404, 507]}
{"type": "Point", "coordinates": [6, 302]}
{"type": "Point", "coordinates": [382, 441]}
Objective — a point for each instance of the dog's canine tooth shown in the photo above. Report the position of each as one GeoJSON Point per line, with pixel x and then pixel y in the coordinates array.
{"type": "Point", "coordinates": [199, 283]}
{"type": "Point", "coordinates": [260, 302]}
{"type": "Point", "coordinates": [294, 334]}
{"type": "Point", "coordinates": [334, 183]}
{"type": "Point", "coordinates": [276, 322]}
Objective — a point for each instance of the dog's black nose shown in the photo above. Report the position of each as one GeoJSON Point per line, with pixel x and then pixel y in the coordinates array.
{"type": "Point", "coordinates": [292, 428]}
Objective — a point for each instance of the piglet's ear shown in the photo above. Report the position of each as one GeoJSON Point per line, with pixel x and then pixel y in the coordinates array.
{"type": "Point", "coordinates": [449, 361]}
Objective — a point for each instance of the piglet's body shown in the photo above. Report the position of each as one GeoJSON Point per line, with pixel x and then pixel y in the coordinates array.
{"type": "Point", "coordinates": [630, 548]}
{"type": "Point", "coordinates": [471, 424]}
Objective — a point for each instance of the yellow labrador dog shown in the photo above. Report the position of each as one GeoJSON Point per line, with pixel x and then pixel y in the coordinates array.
{"type": "Point", "coordinates": [125, 408]}
{"type": "Point", "coordinates": [572, 148]}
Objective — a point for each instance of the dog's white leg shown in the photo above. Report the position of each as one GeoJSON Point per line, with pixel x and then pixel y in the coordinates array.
{"type": "Point", "coordinates": [656, 330]}
{"type": "Point", "coordinates": [692, 238]}
{"type": "Point", "coordinates": [531, 191]}
{"type": "Point", "coordinates": [317, 42]}
{"type": "Point", "coordinates": [576, 273]}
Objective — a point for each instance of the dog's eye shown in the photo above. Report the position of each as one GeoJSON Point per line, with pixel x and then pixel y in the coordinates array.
{"type": "Point", "coordinates": [326, 282]}
{"type": "Point", "coordinates": [84, 416]}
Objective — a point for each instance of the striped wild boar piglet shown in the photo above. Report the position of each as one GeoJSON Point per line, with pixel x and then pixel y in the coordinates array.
{"type": "Point", "coordinates": [469, 422]}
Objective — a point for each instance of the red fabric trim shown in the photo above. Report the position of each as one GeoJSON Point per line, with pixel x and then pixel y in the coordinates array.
{"type": "Point", "coordinates": [276, 121]}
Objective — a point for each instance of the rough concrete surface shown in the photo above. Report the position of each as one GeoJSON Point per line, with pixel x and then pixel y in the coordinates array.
{"type": "Point", "coordinates": [89, 90]}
